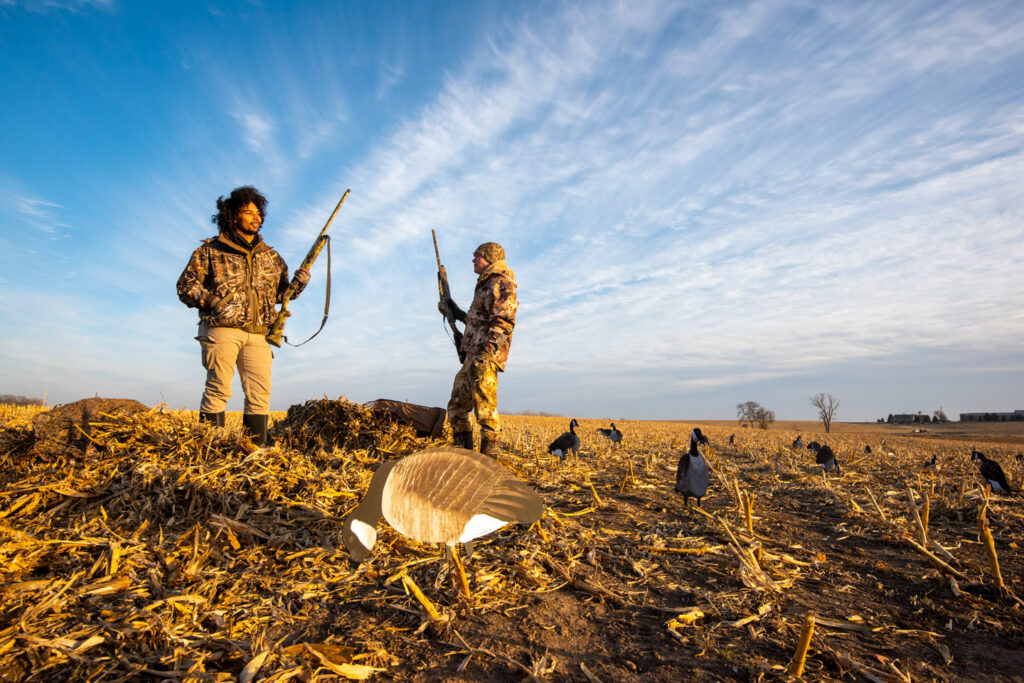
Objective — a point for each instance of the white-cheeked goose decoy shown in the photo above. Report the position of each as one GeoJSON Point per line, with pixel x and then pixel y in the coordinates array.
{"type": "Point", "coordinates": [992, 472]}
{"type": "Point", "coordinates": [567, 443]}
{"type": "Point", "coordinates": [824, 457]}
{"type": "Point", "coordinates": [442, 495]}
{"type": "Point", "coordinates": [692, 472]}
{"type": "Point", "coordinates": [798, 443]}
{"type": "Point", "coordinates": [613, 434]}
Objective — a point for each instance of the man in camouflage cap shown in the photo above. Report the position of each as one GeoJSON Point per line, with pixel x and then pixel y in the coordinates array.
{"type": "Point", "coordinates": [236, 281]}
{"type": "Point", "coordinates": [486, 341]}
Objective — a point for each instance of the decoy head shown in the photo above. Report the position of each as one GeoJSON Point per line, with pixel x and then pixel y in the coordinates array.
{"type": "Point", "coordinates": [697, 436]}
{"type": "Point", "coordinates": [358, 537]}
{"type": "Point", "coordinates": [977, 455]}
{"type": "Point", "coordinates": [359, 532]}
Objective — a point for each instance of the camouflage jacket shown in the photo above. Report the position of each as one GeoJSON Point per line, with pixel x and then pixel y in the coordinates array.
{"type": "Point", "coordinates": [492, 316]}
{"type": "Point", "coordinates": [233, 286]}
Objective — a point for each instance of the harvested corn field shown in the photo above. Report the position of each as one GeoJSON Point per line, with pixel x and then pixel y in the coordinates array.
{"type": "Point", "coordinates": [171, 550]}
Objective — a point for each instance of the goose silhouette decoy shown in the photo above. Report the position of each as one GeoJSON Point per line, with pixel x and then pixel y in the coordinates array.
{"type": "Point", "coordinates": [692, 472]}
{"type": "Point", "coordinates": [824, 457]}
{"type": "Point", "coordinates": [613, 434]}
{"type": "Point", "coordinates": [992, 472]}
{"type": "Point", "coordinates": [567, 443]}
{"type": "Point", "coordinates": [798, 442]}
{"type": "Point", "coordinates": [441, 495]}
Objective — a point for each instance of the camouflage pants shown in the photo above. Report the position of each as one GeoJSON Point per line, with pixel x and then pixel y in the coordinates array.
{"type": "Point", "coordinates": [475, 390]}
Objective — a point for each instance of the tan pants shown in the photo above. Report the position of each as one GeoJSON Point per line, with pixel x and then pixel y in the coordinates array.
{"type": "Point", "coordinates": [223, 349]}
{"type": "Point", "coordinates": [475, 390]}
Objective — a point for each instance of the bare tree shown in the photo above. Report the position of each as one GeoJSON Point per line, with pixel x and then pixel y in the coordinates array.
{"type": "Point", "coordinates": [753, 412]}
{"type": "Point", "coordinates": [827, 404]}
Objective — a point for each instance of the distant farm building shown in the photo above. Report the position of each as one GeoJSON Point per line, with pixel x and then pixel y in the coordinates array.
{"type": "Point", "coordinates": [992, 417]}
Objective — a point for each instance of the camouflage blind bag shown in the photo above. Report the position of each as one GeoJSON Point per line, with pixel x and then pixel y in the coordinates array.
{"type": "Point", "coordinates": [425, 420]}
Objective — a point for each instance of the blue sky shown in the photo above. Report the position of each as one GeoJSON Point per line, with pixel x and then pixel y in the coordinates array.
{"type": "Point", "coordinates": [704, 203]}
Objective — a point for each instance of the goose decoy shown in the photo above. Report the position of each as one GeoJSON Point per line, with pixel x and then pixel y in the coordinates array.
{"type": "Point", "coordinates": [824, 457]}
{"type": "Point", "coordinates": [692, 472]}
{"type": "Point", "coordinates": [867, 449]}
{"type": "Point", "coordinates": [930, 464]}
{"type": "Point", "coordinates": [441, 495]}
{"type": "Point", "coordinates": [567, 443]}
{"type": "Point", "coordinates": [732, 439]}
{"type": "Point", "coordinates": [613, 434]}
{"type": "Point", "coordinates": [798, 442]}
{"type": "Point", "coordinates": [1020, 457]}
{"type": "Point", "coordinates": [992, 472]}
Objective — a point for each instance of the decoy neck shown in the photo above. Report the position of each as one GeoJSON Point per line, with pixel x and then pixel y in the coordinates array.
{"type": "Point", "coordinates": [697, 437]}
{"type": "Point", "coordinates": [360, 530]}
{"type": "Point", "coordinates": [573, 424]}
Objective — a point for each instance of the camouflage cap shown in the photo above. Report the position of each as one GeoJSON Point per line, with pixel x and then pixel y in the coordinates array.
{"type": "Point", "coordinates": [491, 251]}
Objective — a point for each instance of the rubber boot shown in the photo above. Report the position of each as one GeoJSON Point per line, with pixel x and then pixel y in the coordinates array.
{"type": "Point", "coordinates": [257, 427]}
{"type": "Point", "coordinates": [463, 440]}
{"type": "Point", "coordinates": [216, 419]}
{"type": "Point", "coordinates": [489, 445]}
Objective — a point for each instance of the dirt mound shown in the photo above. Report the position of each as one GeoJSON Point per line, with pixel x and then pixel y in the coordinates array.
{"type": "Point", "coordinates": [69, 426]}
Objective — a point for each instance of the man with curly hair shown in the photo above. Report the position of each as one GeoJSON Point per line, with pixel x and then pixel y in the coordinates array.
{"type": "Point", "coordinates": [489, 324]}
{"type": "Point", "coordinates": [236, 281]}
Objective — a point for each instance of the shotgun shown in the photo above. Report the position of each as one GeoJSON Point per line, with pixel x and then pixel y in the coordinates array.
{"type": "Point", "coordinates": [446, 296]}
{"type": "Point", "coordinates": [276, 331]}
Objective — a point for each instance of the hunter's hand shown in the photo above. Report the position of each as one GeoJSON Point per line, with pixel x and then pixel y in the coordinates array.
{"type": "Point", "coordinates": [302, 276]}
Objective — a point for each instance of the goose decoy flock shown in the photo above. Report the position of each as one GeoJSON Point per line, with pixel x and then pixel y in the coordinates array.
{"type": "Point", "coordinates": [692, 472]}
{"type": "Point", "coordinates": [613, 434]}
{"type": "Point", "coordinates": [568, 442]}
{"type": "Point", "coordinates": [824, 457]}
{"type": "Point", "coordinates": [992, 472]}
{"type": "Point", "coordinates": [441, 495]}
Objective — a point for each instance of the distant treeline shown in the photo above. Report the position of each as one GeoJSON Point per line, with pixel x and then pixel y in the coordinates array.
{"type": "Point", "coordinates": [12, 400]}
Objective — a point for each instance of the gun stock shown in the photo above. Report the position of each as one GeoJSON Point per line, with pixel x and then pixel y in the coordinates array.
{"type": "Point", "coordinates": [445, 294]}
{"type": "Point", "coordinates": [275, 334]}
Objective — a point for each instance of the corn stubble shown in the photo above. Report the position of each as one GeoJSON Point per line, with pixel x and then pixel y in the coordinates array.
{"type": "Point", "coordinates": [177, 551]}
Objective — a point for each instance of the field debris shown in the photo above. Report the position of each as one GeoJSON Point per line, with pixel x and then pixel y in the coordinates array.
{"type": "Point", "coordinates": [168, 549]}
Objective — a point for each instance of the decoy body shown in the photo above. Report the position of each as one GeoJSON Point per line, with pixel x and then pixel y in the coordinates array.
{"type": "Point", "coordinates": [613, 434]}
{"type": "Point", "coordinates": [567, 443]}
{"type": "Point", "coordinates": [692, 473]}
{"type": "Point", "coordinates": [867, 449]}
{"type": "Point", "coordinates": [824, 457]}
{"type": "Point", "coordinates": [798, 442]}
{"type": "Point", "coordinates": [442, 495]}
{"type": "Point", "coordinates": [992, 472]}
